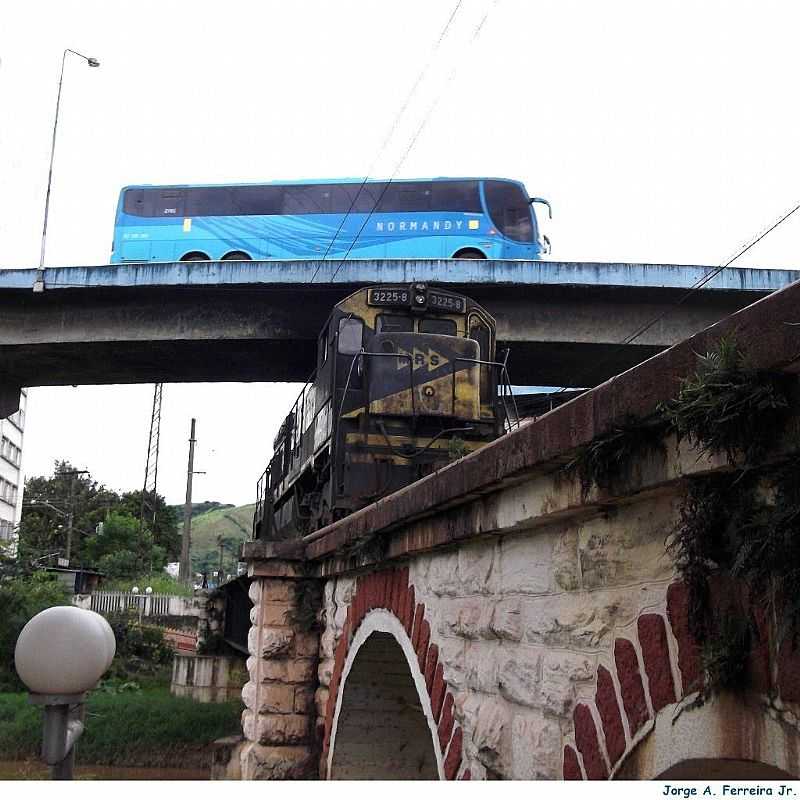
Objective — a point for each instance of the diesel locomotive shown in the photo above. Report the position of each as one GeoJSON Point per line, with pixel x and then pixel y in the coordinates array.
{"type": "Point", "coordinates": [406, 380]}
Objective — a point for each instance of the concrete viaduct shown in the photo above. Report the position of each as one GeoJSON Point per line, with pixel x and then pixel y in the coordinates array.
{"type": "Point", "coordinates": [258, 321]}
{"type": "Point", "coordinates": [498, 619]}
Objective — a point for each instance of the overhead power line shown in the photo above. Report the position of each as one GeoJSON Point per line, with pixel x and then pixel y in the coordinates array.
{"type": "Point", "coordinates": [392, 129]}
{"type": "Point", "coordinates": [698, 284]}
{"type": "Point", "coordinates": [475, 34]}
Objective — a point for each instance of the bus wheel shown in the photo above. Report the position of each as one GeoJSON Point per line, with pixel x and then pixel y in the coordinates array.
{"type": "Point", "coordinates": [236, 255]}
{"type": "Point", "coordinates": [469, 254]}
{"type": "Point", "coordinates": [195, 257]}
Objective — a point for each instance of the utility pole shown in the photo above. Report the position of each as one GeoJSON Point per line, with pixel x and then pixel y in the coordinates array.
{"type": "Point", "coordinates": [185, 572]}
{"type": "Point", "coordinates": [71, 512]}
{"type": "Point", "coordinates": [221, 545]}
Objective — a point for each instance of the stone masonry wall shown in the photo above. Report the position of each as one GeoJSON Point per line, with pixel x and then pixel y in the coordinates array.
{"type": "Point", "coordinates": [278, 721]}
{"type": "Point", "coordinates": [527, 629]}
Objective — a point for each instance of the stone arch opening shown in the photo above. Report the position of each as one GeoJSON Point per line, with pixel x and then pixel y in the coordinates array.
{"type": "Point", "coordinates": [383, 728]}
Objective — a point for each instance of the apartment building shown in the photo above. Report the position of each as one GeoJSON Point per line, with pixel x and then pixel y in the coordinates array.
{"type": "Point", "coordinates": [11, 476]}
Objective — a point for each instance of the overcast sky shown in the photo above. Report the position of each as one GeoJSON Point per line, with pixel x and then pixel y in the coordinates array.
{"type": "Point", "coordinates": [660, 133]}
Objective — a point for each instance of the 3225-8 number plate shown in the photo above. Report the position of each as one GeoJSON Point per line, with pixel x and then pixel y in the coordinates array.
{"type": "Point", "coordinates": [389, 297]}
{"type": "Point", "coordinates": [446, 302]}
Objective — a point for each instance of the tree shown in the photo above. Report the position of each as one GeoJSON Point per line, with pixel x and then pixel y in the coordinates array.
{"type": "Point", "coordinates": [165, 525]}
{"type": "Point", "coordinates": [120, 542]}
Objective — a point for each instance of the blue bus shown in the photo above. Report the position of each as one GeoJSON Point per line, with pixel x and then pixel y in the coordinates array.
{"type": "Point", "coordinates": [437, 218]}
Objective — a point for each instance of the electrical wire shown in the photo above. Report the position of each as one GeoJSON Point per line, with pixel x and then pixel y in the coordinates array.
{"type": "Point", "coordinates": [698, 284]}
{"type": "Point", "coordinates": [391, 131]}
{"type": "Point", "coordinates": [475, 34]}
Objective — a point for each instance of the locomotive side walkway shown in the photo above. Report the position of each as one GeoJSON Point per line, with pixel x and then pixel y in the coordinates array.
{"type": "Point", "coordinates": [258, 321]}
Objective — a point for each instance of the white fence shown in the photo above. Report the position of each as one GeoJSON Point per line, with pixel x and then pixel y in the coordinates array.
{"type": "Point", "coordinates": [145, 605]}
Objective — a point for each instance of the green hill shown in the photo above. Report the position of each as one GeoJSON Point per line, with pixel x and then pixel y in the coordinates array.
{"type": "Point", "coordinates": [232, 523]}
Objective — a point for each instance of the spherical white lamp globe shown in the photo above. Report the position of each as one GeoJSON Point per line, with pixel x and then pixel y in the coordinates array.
{"type": "Point", "coordinates": [148, 590]}
{"type": "Point", "coordinates": [62, 650]}
{"type": "Point", "coordinates": [108, 636]}
{"type": "Point", "coordinates": [135, 590]}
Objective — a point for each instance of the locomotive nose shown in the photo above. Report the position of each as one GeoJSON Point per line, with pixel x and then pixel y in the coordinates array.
{"type": "Point", "coordinates": [424, 374]}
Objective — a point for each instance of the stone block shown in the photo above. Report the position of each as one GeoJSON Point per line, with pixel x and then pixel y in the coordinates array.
{"type": "Point", "coordinates": [584, 620]}
{"type": "Point", "coordinates": [249, 694]}
{"type": "Point", "coordinates": [519, 679]}
{"type": "Point", "coordinates": [507, 619]}
{"type": "Point", "coordinates": [277, 590]}
{"type": "Point", "coordinates": [526, 563]}
{"type": "Point", "coordinates": [254, 592]}
{"type": "Point", "coordinates": [627, 547]}
{"type": "Point", "coordinates": [442, 578]}
{"type": "Point", "coordinates": [303, 700]}
{"type": "Point", "coordinates": [481, 666]}
{"type": "Point", "coordinates": [451, 656]}
{"type": "Point", "coordinates": [468, 617]}
{"type": "Point", "coordinates": [535, 747]}
{"type": "Point", "coordinates": [274, 669]}
{"type": "Point", "coordinates": [475, 564]}
{"type": "Point", "coordinates": [327, 642]}
{"type": "Point", "coordinates": [560, 672]}
{"type": "Point", "coordinates": [344, 590]}
{"type": "Point", "coordinates": [276, 613]}
{"type": "Point", "coordinates": [321, 697]}
{"type": "Point", "coordinates": [491, 733]}
{"type": "Point", "coordinates": [254, 615]}
{"type": "Point", "coordinates": [282, 728]}
{"type": "Point", "coordinates": [277, 698]}
{"type": "Point", "coordinates": [300, 670]}
{"type": "Point", "coordinates": [261, 762]}
{"type": "Point", "coordinates": [325, 671]}
{"type": "Point", "coordinates": [275, 642]}
{"type": "Point", "coordinates": [566, 565]}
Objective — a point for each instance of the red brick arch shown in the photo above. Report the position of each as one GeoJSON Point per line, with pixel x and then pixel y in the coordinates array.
{"type": "Point", "coordinates": [598, 724]}
{"type": "Point", "coordinates": [390, 590]}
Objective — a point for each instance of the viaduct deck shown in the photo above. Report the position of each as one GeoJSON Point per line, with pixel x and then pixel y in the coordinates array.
{"type": "Point", "coordinates": [258, 321]}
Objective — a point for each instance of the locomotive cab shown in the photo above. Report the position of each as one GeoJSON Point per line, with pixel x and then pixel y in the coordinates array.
{"type": "Point", "coordinates": [406, 381]}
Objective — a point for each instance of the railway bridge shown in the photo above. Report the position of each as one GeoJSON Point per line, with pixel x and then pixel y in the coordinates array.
{"type": "Point", "coordinates": [506, 618]}
{"type": "Point", "coordinates": [565, 324]}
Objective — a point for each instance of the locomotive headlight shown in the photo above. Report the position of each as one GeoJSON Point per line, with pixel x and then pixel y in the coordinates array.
{"type": "Point", "coordinates": [420, 299]}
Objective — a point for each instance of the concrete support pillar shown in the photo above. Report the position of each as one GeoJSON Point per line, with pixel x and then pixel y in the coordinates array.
{"type": "Point", "coordinates": [9, 399]}
{"type": "Point", "coordinates": [280, 714]}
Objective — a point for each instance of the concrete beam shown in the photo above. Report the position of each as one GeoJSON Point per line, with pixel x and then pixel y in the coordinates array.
{"type": "Point", "coordinates": [9, 399]}
{"type": "Point", "coordinates": [258, 321]}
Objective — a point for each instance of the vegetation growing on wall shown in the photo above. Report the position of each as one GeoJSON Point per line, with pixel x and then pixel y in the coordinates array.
{"type": "Point", "coordinates": [609, 457]}
{"type": "Point", "coordinates": [729, 408]}
{"type": "Point", "coordinates": [742, 525]}
{"type": "Point", "coordinates": [739, 526]}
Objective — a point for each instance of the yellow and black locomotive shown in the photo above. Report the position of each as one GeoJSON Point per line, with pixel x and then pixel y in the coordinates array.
{"type": "Point", "coordinates": [406, 380]}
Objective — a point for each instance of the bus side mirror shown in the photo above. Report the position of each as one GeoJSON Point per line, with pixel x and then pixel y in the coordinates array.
{"type": "Point", "coordinates": [544, 202]}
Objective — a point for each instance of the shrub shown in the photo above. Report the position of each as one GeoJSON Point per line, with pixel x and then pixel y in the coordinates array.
{"type": "Point", "coordinates": [21, 598]}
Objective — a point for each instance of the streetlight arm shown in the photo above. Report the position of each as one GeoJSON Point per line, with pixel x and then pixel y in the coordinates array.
{"type": "Point", "coordinates": [38, 285]}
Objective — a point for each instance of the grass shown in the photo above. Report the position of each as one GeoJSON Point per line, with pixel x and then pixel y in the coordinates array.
{"type": "Point", "coordinates": [147, 728]}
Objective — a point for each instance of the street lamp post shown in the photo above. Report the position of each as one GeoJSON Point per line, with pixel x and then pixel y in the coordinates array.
{"type": "Point", "coordinates": [60, 655]}
{"type": "Point", "coordinates": [38, 285]}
